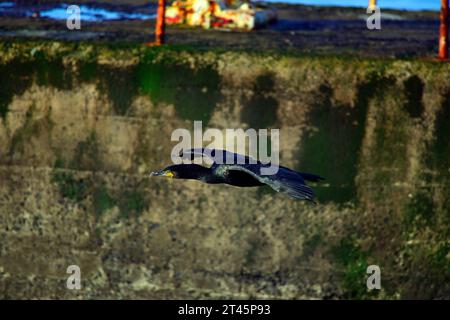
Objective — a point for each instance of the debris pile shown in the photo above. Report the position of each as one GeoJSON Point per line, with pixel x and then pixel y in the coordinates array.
{"type": "Point", "coordinates": [220, 14]}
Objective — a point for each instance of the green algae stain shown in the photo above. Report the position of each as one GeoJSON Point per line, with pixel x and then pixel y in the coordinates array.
{"type": "Point", "coordinates": [52, 73]}
{"type": "Point", "coordinates": [420, 209]}
{"type": "Point", "coordinates": [119, 84]}
{"type": "Point", "coordinates": [353, 260]}
{"type": "Point", "coordinates": [441, 260]}
{"type": "Point", "coordinates": [132, 204]}
{"type": "Point", "coordinates": [102, 201]}
{"type": "Point", "coordinates": [87, 154]}
{"type": "Point", "coordinates": [72, 188]}
{"type": "Point", "coordinates": [193, 92]}
{"type": "Point", "coordinates": [15, 78]}
{"type": "Point", "coordinates": [311, 244]}
{"type": "Point", "coordinates": [260, 110]}
{"type": "Point", "coordinates": [439, 154]}
{"type": "Point", "coordinates": [414, 88]}
{"type": "Point", "coordinates": [31, 128]}
{"type": "Point", "coordinates": [332, 151]}
{"type": "Point", "coordinates": [87, 71]}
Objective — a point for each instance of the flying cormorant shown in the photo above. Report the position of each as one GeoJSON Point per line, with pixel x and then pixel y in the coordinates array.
{"type": "Point", "coordinates": [247, 174]}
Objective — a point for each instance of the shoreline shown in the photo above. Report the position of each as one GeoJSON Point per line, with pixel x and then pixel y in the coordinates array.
{"type": "Point", "coordinates": [300, 29]}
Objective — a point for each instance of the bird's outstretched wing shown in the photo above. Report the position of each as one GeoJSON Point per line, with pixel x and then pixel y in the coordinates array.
{"type": "Point", "coordinates": [285, 180]}
{"type": "Point", "coordinates": [217, 156]}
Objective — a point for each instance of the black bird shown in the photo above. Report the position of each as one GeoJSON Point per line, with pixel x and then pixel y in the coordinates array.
{"type": "Point", "coordinates": [243, 172]}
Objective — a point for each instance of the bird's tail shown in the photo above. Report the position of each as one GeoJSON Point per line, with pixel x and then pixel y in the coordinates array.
{"type": "Point", "coordinates": [311, 177]}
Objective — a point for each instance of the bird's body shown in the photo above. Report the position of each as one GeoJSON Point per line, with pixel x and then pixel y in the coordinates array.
{"type": "Point", "coordinates": [243, 174]}
{"type": "Point", "coordinates": [234, 177]}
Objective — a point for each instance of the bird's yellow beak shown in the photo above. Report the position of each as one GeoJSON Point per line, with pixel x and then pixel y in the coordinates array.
{"type": "Point", "coordinates": [169, 174]}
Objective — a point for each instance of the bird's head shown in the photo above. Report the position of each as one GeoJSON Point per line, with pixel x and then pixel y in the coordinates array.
{"type": "Point", "coordinates": [170, 172]}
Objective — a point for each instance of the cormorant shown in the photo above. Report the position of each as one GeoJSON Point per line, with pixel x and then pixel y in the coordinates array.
{"type": "Point", "coordinates": [247, 174]}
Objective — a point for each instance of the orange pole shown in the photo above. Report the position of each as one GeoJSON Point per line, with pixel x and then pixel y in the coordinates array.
{"type": "Point", "coordinates": [443, 36]}
{"type": "Point", "coordinates": [372, 4]}
{"type": "Point", "coordinates": [160, 23]}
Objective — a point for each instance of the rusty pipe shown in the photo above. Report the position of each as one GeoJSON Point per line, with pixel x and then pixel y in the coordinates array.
{"type": "Point", "coordinates": [160, 23]}
{"type": "Point", "coordinates": [443, 31]}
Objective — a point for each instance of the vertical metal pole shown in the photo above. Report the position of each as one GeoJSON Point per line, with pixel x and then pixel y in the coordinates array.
{"type": "Point", "coordinates": [443, 31]}
{"type": "Point", "coordinates": [160, 23]}
{"type": "Point", "coordinates": [37, 13]}
{"type": "Point", "coordinates": [372, 4]}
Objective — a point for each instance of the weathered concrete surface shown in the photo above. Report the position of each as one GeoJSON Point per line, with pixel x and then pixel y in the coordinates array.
{"type": "Point", "coordinates": [80, 130]}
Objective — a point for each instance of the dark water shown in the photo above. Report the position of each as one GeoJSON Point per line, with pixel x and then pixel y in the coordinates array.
{"type": "Point", "coordinates": [89, 13]}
